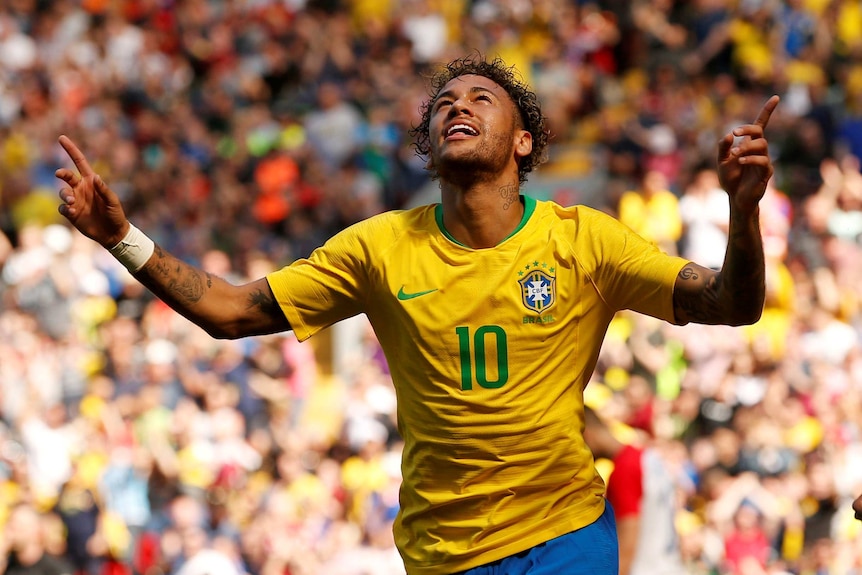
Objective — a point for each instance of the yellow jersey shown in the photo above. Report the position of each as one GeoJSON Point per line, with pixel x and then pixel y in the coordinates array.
{"type": "Point", "coordinates": [489, 352]}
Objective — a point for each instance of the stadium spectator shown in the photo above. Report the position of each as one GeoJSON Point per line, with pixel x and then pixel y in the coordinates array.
{"type": "Point", "coordinates": [644, 495]}
{"type": "Point", "coordinates": [652, 211]}
{"type": "Point", "coordinates": [25, 541]}
{"type": "Point", "coordinates": [219, 87]}
{"type": "Point", "coordinates": [703, 211]}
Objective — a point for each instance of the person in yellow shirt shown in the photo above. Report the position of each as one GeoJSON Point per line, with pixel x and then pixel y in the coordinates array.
{"type": "Point", "coordinates": [751, 34]}
{"type": "Point", "coordinates": [652, 211]}
{"type": "Point", "coordinates": [491, 308]}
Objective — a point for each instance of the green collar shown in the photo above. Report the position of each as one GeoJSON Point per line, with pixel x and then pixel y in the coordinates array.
{"type": "Point", "coordinates": [529, 208]}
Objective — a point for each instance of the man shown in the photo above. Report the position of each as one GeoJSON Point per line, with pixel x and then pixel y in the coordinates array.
{"type": "Point", "coordinates": [857, 507]}
{"type": "Point", "coordinates": [491, 308]}
{"type": "Point", "coordinates": [23, 547]}
{"type": "Point", "coordinates": [642, 493]}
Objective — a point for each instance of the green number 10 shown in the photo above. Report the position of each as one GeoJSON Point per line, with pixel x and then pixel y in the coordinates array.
{"type": "Point", "coordinates": [479, 339]}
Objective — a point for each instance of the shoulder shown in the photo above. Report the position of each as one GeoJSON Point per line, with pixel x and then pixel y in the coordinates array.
{"type": "Point", "coordinates": [395, 221]}
{"type": "Point", "coordinates": [585, 226]}
{"type": "Point", "coordinates": [387, 228]}
{"type": "Point", "coordinates": [51, 565]}
{"type": "Point", "coordinates": [593, 237]}
{"type": "Point", "coordinates": [578, 214]}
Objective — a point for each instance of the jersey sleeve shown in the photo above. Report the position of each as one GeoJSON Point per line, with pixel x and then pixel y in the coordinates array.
{"type": "Point", "coordinates": [631, 272]}
{"type": "Point", "coordinates": [625, 484]}
{"type": "Point", "coordinates": [330, 285]}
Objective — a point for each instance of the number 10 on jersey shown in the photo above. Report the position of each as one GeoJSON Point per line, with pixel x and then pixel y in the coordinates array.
{"type": "Point", "coordinates": [473, 352]}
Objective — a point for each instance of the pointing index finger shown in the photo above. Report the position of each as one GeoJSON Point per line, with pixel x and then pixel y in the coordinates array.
{"type": "Point", "coordinates": [77, 156]}
{"type": "Point", "coordinates": [766, 112]}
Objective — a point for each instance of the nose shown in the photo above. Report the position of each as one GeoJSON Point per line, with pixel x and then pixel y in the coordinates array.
{"type": "Point", "coordinates": [460, 106]}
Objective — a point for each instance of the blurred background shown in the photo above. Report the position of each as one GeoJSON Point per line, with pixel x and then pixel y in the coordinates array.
{"type": "Point", "coordinates": [242, 134]}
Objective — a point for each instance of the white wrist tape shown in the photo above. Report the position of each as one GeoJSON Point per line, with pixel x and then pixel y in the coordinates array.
{"type": "Point", "coordinates": [134, 250]}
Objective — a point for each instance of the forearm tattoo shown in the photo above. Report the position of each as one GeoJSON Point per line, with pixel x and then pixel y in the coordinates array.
{"type": "Point", "coordinates": [744, 273]}
{"type": "Point", "coordinates": [177, 280]}
{"type": "Point", "coordinates": [746, 265]}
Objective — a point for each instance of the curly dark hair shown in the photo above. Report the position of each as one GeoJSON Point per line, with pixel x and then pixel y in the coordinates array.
{"type": "Point", "coordinates": [507, 78]}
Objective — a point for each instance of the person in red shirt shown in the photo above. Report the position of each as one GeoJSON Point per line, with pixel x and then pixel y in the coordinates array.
{"type": "Point", "coordinates": [746, 545]}
{"type": "Point", "coordinates": [642, 492]}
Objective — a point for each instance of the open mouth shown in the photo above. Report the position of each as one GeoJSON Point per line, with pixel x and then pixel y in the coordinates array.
{"type": "Point", "coordinates": [458, 131]}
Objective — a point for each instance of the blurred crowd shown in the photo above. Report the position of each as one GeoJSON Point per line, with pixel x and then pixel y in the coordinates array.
{"type": "Point", "coordinates": [240, 134]}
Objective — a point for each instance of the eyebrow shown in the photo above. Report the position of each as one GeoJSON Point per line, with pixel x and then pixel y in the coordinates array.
{"type": "Point", "coordinates": [472, 91]}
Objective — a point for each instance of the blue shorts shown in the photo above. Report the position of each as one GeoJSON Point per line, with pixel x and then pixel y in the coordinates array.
{"type": "Point", "coordinates": [591, 550]}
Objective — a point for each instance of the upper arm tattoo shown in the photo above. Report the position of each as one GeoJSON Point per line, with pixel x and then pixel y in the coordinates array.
{"type": "Point", "coordinates": [732, 296]}
{"type": "Point", "coordinates": [263, 302]}
{"type": "Point", "coordinates": [695, 298]}
{"type": "Point", "coordinates": [688, 273]}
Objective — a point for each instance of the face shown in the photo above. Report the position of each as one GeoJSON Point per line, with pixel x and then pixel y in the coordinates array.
{"type": "Point", "coordinates": [475, 130]}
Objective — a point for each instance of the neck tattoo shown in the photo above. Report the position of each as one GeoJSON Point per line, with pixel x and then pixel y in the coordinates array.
{"type": "Point", "coordinates": [509, 194]}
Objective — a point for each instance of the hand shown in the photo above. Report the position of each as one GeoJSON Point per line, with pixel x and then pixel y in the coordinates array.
{"type": "Point", "coordinates": [88, 203]}
{"type": "Point", "coordinates": [744, 167]}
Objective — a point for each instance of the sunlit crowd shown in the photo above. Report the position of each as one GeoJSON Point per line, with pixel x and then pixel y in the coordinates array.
{"type": "Point", "coordinates": [242, 134]}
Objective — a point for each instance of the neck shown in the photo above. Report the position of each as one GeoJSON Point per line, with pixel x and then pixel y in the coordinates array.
{"type": "Point", "coordinates": [482, 215]}
{"type": "Point", "coordinates": [29, 554]}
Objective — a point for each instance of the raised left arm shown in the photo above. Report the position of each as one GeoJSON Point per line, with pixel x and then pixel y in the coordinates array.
{"type": "Point", "coordinates": [735, 294]}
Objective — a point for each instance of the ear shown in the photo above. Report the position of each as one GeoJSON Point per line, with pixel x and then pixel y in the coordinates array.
{"type": "Point", "coordinates": [523, 143]}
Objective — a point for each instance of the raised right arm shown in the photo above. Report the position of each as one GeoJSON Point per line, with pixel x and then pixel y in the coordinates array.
{"type": "Point", "coordinates": [222, 309]}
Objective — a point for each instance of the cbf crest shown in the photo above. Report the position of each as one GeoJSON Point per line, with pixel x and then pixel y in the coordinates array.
{"type": "Point", "coordinates": [538, 287]}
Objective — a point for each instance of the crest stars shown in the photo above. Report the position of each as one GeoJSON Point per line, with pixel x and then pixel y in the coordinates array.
{"type": "Point", "coordinates": [536, 264]}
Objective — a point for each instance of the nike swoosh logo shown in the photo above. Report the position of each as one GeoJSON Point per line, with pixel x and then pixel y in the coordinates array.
{"type": "Point", "coordinates": [402, 295]}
